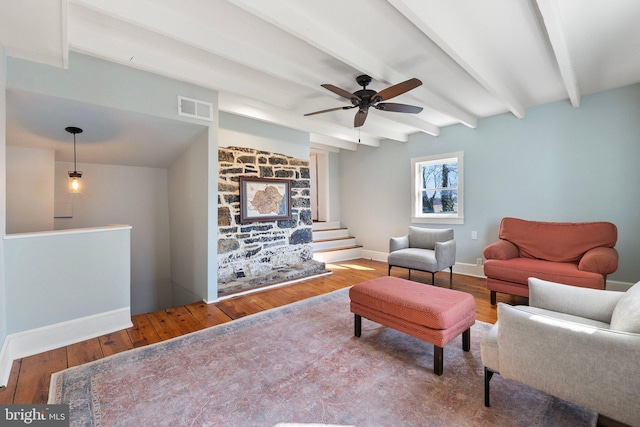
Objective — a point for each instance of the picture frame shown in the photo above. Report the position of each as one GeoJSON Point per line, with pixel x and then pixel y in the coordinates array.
{"type": "Point", "coordinates": [264, 199]}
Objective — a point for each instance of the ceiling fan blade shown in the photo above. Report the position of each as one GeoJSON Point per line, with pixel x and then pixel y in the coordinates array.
{"type": "Point", "coordinates": [398, 108]}
{"type": "Point", "coordinates": [331, 109]}
{"type": "Point", "coordinates": [395, 90]}
{"type": "Point", "coordinates": [361, 116]}
{"type": "Point", "coordinates": [343, 93]}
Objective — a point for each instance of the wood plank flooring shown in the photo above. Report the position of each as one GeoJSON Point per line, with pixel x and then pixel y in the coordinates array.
{"type": "Point", "coordinates": [30, 376]}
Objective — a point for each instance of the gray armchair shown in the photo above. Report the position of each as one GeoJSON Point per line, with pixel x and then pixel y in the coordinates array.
{"type": "Point", "coordinates": [424, 249]}
{"type": "Point", "coordinates": [580, 345]}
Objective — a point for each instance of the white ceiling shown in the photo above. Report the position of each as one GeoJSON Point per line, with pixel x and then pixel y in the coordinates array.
{"type": "Point", "coordinates": [268, 58]}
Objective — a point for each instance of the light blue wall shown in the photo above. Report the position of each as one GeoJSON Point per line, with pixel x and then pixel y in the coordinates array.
{"type": "Point", "coordinates": [108, 84]}
{"type": "Point", "coordinates": [238, 131]}
{"type": "Point", "coordinates": [56, 277]}
{"type": "Point", "coordinates": [559, 163]}
{"type": "Point", "coordinates": [112, 85]}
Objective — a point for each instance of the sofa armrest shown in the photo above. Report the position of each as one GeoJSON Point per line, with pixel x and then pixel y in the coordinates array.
{"type": "Point", "coordinates": [601, 260]}
{"type": "Point", "coordinates": [585, 365]}
{"type": "Point", "coordinates": [595, 304]}
{"type": "Point", "coordinates": [446, 253]}
{"type": "Point", "coordinates": [397, 243]}
{"type": "Point", "coordinates": [502, 249]}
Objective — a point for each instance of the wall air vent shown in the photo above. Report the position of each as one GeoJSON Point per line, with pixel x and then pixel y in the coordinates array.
{"type": "Point", "coordinates": [196, 109]}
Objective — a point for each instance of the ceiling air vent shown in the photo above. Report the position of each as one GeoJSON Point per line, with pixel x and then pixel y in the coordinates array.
{"type": "Point", "coordinates": [193, 108]}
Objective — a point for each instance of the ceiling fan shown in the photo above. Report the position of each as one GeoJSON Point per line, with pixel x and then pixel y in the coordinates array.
{"type": "Point", "coordinates": [365, 98]}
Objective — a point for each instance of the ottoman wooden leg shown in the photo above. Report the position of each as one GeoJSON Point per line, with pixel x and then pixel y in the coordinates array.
{"type": "Point", "coordinates": [466, 340]}
{"type": "Point", "coordinates": [438, 355]}
{"type": "Point", "coordinates": [357, 325]}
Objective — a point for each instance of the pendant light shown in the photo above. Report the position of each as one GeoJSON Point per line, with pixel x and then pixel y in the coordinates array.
{"type": "Point", "coordinates": [75, 175]}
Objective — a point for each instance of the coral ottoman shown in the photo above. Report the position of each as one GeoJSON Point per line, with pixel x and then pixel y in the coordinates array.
{"type": "Point", "coordinates": [432, 314]}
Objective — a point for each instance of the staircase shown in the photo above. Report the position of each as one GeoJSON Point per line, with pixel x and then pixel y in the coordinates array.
{"type": "Point", "coordinates": [332, 243]}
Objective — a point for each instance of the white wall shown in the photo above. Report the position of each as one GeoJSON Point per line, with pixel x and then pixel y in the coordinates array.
{"type": "Point", "coordinates": [237, 131]}
{"type": "Point", "coordinates": [559, 163]}
{"type": "Point", "coordinates": [64, 287]}
{"type": "Point", "coordinates": [188, 207]}
{"type": "Point", "coordinates": [44, 296]}
{"type": "Point", "coordinates": [3, 194]}
{"type": "Point", "coordinates": [334, 186]}
{"type": "Point", "coordinates": [136, 196]}
{"type": "Point", "coordinates": [95, 81]}
{"type": "Point", "coordinates": [29, 189]}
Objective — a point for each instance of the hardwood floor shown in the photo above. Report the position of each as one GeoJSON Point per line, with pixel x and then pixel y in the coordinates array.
{"type": "Point", "coordinates": [30, 376]}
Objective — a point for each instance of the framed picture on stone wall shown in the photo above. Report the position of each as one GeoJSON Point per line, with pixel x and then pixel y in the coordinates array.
{"type": "Point", "coordinates": [264, 199]}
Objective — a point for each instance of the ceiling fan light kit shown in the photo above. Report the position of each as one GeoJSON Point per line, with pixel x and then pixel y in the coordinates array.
{"type": "Point", "coordinates": [365, 98]}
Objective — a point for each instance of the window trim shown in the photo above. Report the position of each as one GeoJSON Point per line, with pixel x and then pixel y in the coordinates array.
{"type": "Point", "coordinates": [416, 198]}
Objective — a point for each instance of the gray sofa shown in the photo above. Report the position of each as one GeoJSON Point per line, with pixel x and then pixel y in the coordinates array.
{"type": "Point", "coordinates": [423, 249]}
{"type": "Point", "coordinates": [581, 345]}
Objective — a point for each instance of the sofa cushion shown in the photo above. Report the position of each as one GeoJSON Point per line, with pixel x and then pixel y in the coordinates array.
{"type": "Point", "coordinates": [519, 270]}
{"type": "Point", "coordinates": [595, 304]}
{"type": "Point", "coordinates": [565, 317]}
{"type": "Point", "coordinates": [557, 241]}
{"type": "Point", "coordinates": [427, 238]}
{"type": "Point", "coordinates": [424, 305]}
{"type": "Point", "coordinates": [626, 315]}
{"type": "Point", "coordinates": [415, 259]}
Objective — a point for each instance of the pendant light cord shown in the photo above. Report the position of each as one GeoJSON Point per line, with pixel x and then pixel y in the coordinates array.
{"type": "Point", "coordinates": [75, 168]}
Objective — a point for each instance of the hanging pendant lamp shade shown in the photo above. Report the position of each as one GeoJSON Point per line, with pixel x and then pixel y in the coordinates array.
{"type": "Point", "coordinates": [74, 175]}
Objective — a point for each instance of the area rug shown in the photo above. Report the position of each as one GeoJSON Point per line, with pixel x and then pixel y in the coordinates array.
{"type": "Point", "coordinates": [301, 364]}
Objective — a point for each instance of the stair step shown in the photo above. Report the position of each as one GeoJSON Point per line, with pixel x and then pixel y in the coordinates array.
{"type": "Point", "coordinates": [324, 225]}
{"type": "Point", "coordinates": [330, 233]}
{"type": "Point", "coordinates": [335, 243]}
{"type": "Point", "coordinates": [341, 254]}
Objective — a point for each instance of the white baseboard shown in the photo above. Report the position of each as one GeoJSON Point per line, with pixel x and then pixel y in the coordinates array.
{"type": "Point", "coordinates": [469, 269]}
{"type": "Point", "coordinates": [375, 256]}
{"type": "Point", "coordinates": [39, 340]}
{"type": "Point", "coordinates": [614, 285]}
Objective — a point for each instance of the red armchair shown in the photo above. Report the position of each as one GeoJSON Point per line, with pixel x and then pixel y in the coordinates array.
{"type": "Point", "coordinates": [578, 254]}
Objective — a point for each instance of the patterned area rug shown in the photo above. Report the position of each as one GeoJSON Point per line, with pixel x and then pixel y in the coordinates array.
{"type": "Point", "coordinates": [301, 364]}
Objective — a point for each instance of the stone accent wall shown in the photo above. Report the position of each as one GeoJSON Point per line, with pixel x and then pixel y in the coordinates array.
{"type": "Point", "coordinates": [254, 250]}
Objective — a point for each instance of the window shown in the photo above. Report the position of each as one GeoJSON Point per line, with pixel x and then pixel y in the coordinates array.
{"type": "Point", "coordinates": [436, 189]}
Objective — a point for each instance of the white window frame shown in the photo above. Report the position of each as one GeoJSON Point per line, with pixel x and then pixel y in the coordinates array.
{"type": "Point", "coordinates": [416, 197]}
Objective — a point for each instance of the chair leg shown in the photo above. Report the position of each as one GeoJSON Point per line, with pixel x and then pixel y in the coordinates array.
{"type": "Point", "coordinates": [433, 278]}
{"type": "Point", "coordinates": [493, 297]}
{"type": "Point", "coordinates": [389, 272]}
{"type": "Point", "coordinates": [451, 277]}
{"type": "Point", "coordinates": [357, 325]}
{"type": "Point", "coordinates": [409, 274]}
{"type": "Point", "coordinates": [487, 377]}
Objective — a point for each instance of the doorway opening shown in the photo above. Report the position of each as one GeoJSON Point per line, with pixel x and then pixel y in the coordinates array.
{"type": "Point", "coordinates": [319, 174]}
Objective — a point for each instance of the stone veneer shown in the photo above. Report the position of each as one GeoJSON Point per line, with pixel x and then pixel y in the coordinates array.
{"type": "Point", "coordinates": [260, 253]}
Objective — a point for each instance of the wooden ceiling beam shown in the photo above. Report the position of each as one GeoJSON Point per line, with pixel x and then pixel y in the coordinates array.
{"type": "Point", "coordinates": [329, 41]}
{"type": "Point", "coordinates": [418, 12]}
{"type": "Point", "coordinates": [550, 11]}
